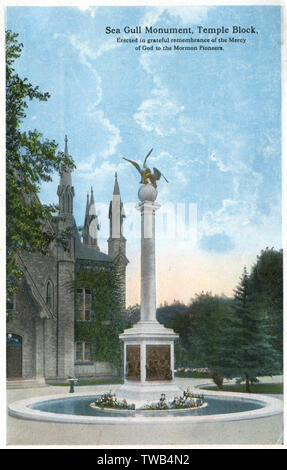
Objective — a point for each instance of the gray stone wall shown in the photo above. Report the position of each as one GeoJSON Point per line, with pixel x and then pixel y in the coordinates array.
{"type": "Point", "coordinates": [50, 348]}
{"type": "Point", "coordinates": [98, 370]}
{"type": "Point", "coordinates": [66, 319]}
{"type": "Point", "coordinates": [39, 348]}
{"type": "Point", "coordinates": [48, 343]}
{"type": "Point", "coordinates": [22, 323]}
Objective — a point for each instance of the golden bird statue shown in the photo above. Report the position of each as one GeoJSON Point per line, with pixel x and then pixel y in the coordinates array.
{"type": "Point", "coordinates": [145, 172]}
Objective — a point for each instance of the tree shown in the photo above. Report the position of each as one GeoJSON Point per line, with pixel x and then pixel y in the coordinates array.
{"type": "Point", "coordinates": [252, 353]}
{"type": "Point", "coordinates": [175, 316]}
{"type": "Point", "coordinates": [210, 315]}
{"type": "Point", "coordinates": [132, 314]}
{"type": "Point", "coordinates": [30, 161]}
{"type": "Point", "coordinates": [201, 329]}
{"type": "Point", "coordinates": [167, 314]}
{"type": "Point", "coordinates": [266, 284]}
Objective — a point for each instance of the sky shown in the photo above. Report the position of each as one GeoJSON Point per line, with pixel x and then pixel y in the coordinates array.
{"type": "Point", "coordinates": [212, 118]}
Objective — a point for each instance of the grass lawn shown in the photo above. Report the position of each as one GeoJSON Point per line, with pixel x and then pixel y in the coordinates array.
{"type": "Point", "coordinates": [192, 375]}
{"type": "Point", "coordinates": [88, 382]}
{"type": "Point", "coordinates": [256, 388]}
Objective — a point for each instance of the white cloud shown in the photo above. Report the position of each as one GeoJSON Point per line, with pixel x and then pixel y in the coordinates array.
{"type": "Point", "coordinates": [83, 7]}
{"type": "Point", "coordinates": [88, 169]}
{"type": "Point", "coordinates": [221, 220]}
{"type": "Point", "coordinates": [185, 14]}
{"type": "Point", "coordinates": [170, 164]}
{"type": "Point", "coordinates": [113, 133]}
{"type": "Point", "coordinates": [145, 61]}
{"type": "Point", "coordinates": [92, 53]}
{"type": "Point", "coordinates": [241, 219]}
{"type": "Point", "coordinates": [188, 14]}
{"type": "Point", "coordinates": [158, 113]}
{"type": "Point", "coordinates": [87, 55]}
{"type": "Point", "coordinates": [86, 8]}
{"type": "Point", "coordinates": [189, 130]}
{"type": "Point", "coordinates": [152, 16]}
{"type": "Point", "coordinates": [271, 146]}
{"type": "Point", "coordinates": [219, 163]}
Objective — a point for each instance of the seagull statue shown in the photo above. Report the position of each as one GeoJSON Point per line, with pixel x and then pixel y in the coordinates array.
{"type": "Point", "coordinates": [145, 172]}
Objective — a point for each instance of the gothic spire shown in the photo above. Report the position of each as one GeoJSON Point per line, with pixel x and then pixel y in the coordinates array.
{"type": "Point", "coordinates": [66, 179]}
{"type": "Point", "coordinates": [116, 185]}
{"type": "Point", "coordinates": [92, 197]}
{"type": "Point", "coordinates": [87, 207]}
{"type": "Point", "coordinates": [66, 145]}
{"type": "Point", "coordinates": [116, 212]}
{"type": "Point", "coordinates": [65, 188]}
{"type": "Point", "coordinates": [91, 224]}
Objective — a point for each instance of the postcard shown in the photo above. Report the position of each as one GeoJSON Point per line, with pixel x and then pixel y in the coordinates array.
{"type": "Point", "coordinates": [144, 226]}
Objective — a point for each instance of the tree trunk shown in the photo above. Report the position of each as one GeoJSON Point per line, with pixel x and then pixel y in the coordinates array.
{"type": "Point", "coordinates": [247, 385]}
{"type": "Point", "coordinates": [218, 380]}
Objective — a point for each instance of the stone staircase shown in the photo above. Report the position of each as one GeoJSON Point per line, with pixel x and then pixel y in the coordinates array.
{"type": "Point", "coordinates": [25, 383]}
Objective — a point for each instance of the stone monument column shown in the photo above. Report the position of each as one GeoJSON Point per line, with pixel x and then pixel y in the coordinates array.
{"type": "Point", "coordinates": [148, 280]}
{"type": "Point", "coordinates": [148, 345]}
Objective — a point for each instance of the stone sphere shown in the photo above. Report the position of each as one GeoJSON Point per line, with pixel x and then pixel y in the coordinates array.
{"type": "Point", "coordinates": [147, 192]}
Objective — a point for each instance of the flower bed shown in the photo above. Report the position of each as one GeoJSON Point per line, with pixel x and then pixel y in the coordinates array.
{"type": "Point", "coordinates": [185, 401]}
{"type": "Point", "coordinates": [108, 400]}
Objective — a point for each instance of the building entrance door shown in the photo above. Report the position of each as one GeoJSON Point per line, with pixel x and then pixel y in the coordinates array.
{"type": "Point", "coordinates": [14, 356]}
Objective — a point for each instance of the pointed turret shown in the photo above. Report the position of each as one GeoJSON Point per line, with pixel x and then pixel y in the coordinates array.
{"type": "Point", "coordinates": [116, 185]}
{"type": "Point", "coordinates": [66, 191]}
{"type": "Point", "coordinates": [66, 145]}
{"type": "Point", "coordinates": [91, 224]}
{"type": "Point", "coordinates": [92, 207]}
{"type": "Point", "coordinates": [116, 213]}
{"type": "Point", "coordinates": [117, 241]}
{"type": "Point", "coordinates": [87, 207]}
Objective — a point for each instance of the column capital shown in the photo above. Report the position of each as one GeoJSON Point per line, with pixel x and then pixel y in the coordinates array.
{"type": "Point", "coordinates": [148, 205]}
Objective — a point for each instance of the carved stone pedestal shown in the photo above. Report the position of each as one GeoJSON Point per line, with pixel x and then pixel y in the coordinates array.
{"type": "Point", "coordinates": [148, 364]}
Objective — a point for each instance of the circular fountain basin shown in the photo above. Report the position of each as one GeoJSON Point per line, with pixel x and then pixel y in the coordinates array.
{"type": "Point", "coordinates": [220, 406]}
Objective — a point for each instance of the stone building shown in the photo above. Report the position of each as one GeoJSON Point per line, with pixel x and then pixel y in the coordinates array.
{"type": "Point", "coordinates": [41, 343]}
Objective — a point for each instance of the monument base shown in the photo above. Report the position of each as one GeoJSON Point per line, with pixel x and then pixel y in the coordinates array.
{"type": "Point", "coordinates": [142, 394]}
{"type": "Point", "coordinates": [148, 364]}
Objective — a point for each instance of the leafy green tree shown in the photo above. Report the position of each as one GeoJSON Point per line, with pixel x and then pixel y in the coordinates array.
{"type": "Point", "coordinates": [201, 329]}
{"type": "Point", "coordinates": [266, 284]}
{"type": "Point", "coordinates": [133, 314]}
{"type": "Point", "coordinates": [207, 339]}
{"type": "Point", "coordinates": [252, 353]}
{"type": "Point", "coordinates": [30, 161]}
{"type": "Point", "coordinates": [167, 314]}
{"type": "Point", "coordinates": [175, 316]}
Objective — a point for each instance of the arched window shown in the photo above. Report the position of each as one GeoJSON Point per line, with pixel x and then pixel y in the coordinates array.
{"type": "Point", "coordinates": [50, 294]}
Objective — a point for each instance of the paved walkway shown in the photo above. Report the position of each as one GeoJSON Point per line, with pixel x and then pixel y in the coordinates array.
{"type": "Point", "coordinates": [264, 431]}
